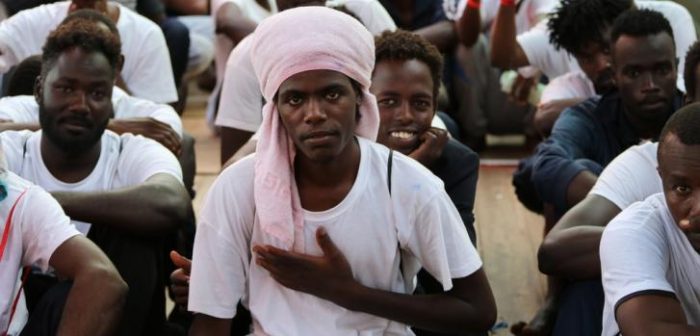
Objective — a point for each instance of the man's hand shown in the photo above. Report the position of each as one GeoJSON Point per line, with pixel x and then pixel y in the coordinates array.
{"type": "Point", "coordinates": [520, 92]}
{"type": "Point", "coordinates": [433, 142]}
{"type": "Point", "coordinates": [149, 128]}
{"type": "Point", "coordinates": [180, 278]}
{"type": "Point", "coordinates": [321, 276]}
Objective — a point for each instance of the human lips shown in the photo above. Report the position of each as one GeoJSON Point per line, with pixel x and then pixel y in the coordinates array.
{"type": "Point", "coordinates": [319, 137]}
{"type": "Point", "coordinates": [75, 124]}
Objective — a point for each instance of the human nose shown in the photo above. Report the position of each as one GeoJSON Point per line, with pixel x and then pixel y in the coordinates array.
{"type": "Point", "coordinates": [314, 112]}
{"type": "Point", "coordinates": [601, 62]}
{"type": "Point", "coordinates": [692, 222]}
{"type": "Point", "coordinates": [649, 82]}
{"type": "Point", "coordinates": [79, 102]}
{"type": "Point", "coordinates": [404, 113]}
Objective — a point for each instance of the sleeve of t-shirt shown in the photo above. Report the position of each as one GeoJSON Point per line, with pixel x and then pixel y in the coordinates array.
{"type": "Point", "coordinates": [542, 54]}
{"type": "Point", "coordinates": [44, 226]}
{"type": "Point", "coordinates": [569, 86]}
{"type": "Point", "coordinates": [23, 35]}
{"type": "Point", "coordinates": [221, 255]}
{"type": "Point", "coordinates": [133, 107]}
{"type": "Point", "coordinates": [240, 106]}
{"type": "Point", "coordinates": [633, 257]}
{"type": "Point", "coordinates": [142, 158]}
{"type": "Point", "coordinates": [151, 77]}
{"type": "Point", "coordinates": [555, 161]}
{"type": "Point", "coordinates": [19, 109]}
{"type": "Point", "coordinates": [630, 177]}
{"type": "Point", "coordinates": [439, 240]}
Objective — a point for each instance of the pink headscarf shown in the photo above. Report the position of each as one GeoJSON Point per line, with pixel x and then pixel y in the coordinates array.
{"type": "Point", "coordinates": [285, 44]}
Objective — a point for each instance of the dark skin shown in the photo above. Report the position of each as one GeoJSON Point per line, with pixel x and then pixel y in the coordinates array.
{"type": "Point", "coordinates": [659, 314]}
{"type": "Point", "coordinates": [75, 98]}
{"type": "Point", "coordinates": [645, 75]}
{"type": "Point", "coordinates": [232, 140]}
{"type": "Point", "coordinates": [405, 96]}
{"type": "Point", "coordinates": [318, 109]}
{"type": "Point", "coordinates": [469, 26]}
{"type": "Point", "coordinates": [95, 301]}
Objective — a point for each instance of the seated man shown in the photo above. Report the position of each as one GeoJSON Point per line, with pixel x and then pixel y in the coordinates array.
{"type": "Point", "coordinates": [578, 28]}
{"type": "Point", "coordinates": [146, 72]}
{"type": "Point", "coordinates": [36, 232]}
{"type": "Point", "coordinates": [321, 231]}
{"type": "Point", "coordinates": [649, 253]}
{"type": "Point", "coordinates": [588, 136]}
{"type": "Point", "coordinates": [570, 250]}
{"type": "Point", "coordinates": [125, 192]}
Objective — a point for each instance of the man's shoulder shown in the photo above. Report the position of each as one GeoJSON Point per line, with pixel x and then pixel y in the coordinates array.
{"type": "Point", "coordinates": [643, 218]}
{"type": "Point", "coordinates": [138, 24]}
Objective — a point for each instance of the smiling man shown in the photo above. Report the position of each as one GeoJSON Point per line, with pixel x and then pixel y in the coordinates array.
{"type": "Point", "coordinates": [649, 253]}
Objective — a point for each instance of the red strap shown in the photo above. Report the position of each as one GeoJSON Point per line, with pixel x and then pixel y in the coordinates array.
{"type": "Point", "coordinates": [3, 244]}
{"type": "Point", "coordinates": [8, 225]}
{"type": "Point", "coordinates": [25, 275]}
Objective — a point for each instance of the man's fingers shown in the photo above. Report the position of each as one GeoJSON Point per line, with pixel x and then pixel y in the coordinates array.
{"type": "Point", "coordinates": [181, 262]}
{"type": "Point", "coordinates": [325, 242]}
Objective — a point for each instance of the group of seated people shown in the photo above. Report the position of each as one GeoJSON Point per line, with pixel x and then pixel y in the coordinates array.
{"type": "Point", "coordinates": [331, 118]}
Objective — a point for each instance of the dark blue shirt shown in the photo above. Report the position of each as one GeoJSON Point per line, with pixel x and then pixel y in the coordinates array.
{"type": "Point", "coordinates": [425, 13]}
{"type": "Point", "coordinates": [586, 135]}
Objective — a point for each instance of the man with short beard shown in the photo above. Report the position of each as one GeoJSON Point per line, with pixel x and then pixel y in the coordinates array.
{"type": "Point", "coordinates": [124, 191]}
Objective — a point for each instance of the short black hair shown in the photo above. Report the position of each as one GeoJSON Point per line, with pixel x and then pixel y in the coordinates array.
{"type": "Point", "coordinates": [684, 124]}
{"type": "Point", "coordinates": [80, 33]}
{"type": "Point", "coordinates": [92, 15]}
{"type": "Point", "coordinates": [692, 58]}
{"type": "Point", "coordinates": [640, 23]}
{"type": "Point", "coordinates": [576, 23]}
{"type": "Point", "coordinates": [401, 45]}
{"type": "Point", "coordinates": [21, 79]}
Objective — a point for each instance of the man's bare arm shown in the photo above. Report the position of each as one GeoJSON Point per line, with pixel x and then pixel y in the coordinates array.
{"type": "Point", "coordinates": [442, 34]}
{"type": "Point", "coordinates": [205, 325]}
{"type": "Point", "coordinates": [12, 126]}
{"type": "Point", "coordinates": [247, 149]}
{"type": "Point", "coordinates": [653, 315]}
{"type": "Point", "coordinates": [159, 204]}
{"type": "Point", "coordinates": [469, 26]}
{"type": "Point", "coordinates": [231, 22]}
{"type": "Point", "coordinates": [98, 294]}
{"type": "Point", "coordinates": [188, 7]}
{"type": "Point", "coordinates": [579, 187]}
{"type": "Point", "coordinates": [231, 141]}
{"type": "Point", "coordinates": [571, 248]}
{"type": "Point", "coordinates": [506, 52]}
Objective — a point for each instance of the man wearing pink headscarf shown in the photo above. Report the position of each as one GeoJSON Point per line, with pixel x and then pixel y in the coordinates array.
{"type": "Point", "coordinates": [322, 231]}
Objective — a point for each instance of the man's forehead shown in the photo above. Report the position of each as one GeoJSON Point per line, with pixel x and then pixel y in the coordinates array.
{"type": "Point", "coordinates": [76, 63]}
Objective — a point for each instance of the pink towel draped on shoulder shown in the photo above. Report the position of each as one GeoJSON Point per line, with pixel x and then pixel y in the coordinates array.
{"type": "Point", "coordinates": [285, 44]}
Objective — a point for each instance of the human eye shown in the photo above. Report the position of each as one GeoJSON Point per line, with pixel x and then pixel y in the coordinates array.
{"type": "Point", "coordinates": [333, 95]}
{"type": "Point", "coordinates": [62, 88]}
{"type": "Point", "coordinates": [294, 100]}
{"type": "Point", "coordinates": [99, 94]}
{"type": "Point", "coordinates": [422, 104]}
{"type": "Point", "coordinates": [387, 102]}
{"type": "Point", "coordinates": [632, 73]}
{"type": "Point", "coordinates": [681, 189]}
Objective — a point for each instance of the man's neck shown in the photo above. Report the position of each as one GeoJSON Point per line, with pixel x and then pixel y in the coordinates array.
{"type": "Point", "coordinates": [323, 185]}
{"type": "Point", "coordinates": [69, 167]}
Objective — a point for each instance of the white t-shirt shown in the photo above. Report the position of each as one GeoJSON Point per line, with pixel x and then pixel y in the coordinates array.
{"type": "Point", "coordinates": [554, 63]}
{"type": "Point", "coordinates": [125, 160]}
{"type": "Point", "coordinates": [643, 249]}
{"type": "Point", "coordinates": [147, 70]}
{"type": "Point", "coordinates": [569, 86]}
{"type": "Point", "coordinates": [530, 13]}
{"type": "Point", "coordinates": [39, 226]}
{"type": "Point", "coordinates": [24, 109]}
{"type": "Point", "coordinates": [630, 177]}
{"type": "Point", "coordinates": [368, 226]}
{"type": "Point", "coordinates": [240, 105]}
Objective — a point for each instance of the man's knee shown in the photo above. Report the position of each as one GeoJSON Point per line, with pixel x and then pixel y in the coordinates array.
{"type": "Point", "coordinates": [580, 309]}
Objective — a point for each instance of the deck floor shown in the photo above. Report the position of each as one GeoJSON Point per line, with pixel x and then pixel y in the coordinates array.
{"type": "Point", "coordinates": [508, 234]}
